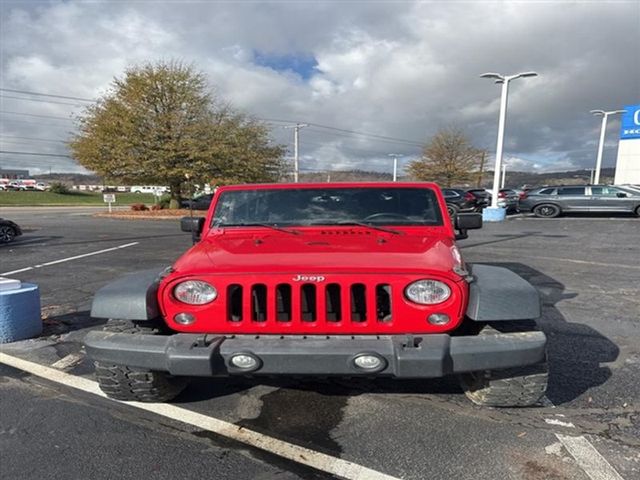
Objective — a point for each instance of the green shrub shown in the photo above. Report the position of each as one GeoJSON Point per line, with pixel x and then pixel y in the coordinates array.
{"type": "Point", "coordinates": [59, 187]}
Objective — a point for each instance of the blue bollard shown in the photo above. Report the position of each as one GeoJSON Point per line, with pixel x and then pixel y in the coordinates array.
{"type": "Point", "coordinates": [20, 313]}
{"type": "Point", "coordinates": [494, 214]}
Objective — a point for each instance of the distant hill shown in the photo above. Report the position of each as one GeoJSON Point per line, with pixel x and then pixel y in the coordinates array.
{"type": "Point", "coordinates": [514, 179]}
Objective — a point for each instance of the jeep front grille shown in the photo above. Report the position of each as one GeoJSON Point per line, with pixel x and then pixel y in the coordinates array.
{"type": "Point", "coordinates": [311, 303]}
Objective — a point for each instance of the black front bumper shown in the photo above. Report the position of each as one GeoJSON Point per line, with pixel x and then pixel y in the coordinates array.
{"type": "Point", "coordinates": [401, 356]}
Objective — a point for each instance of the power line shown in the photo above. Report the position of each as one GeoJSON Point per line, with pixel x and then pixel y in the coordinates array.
{"type": "Point", "coordinates": [373, 135]}
{"type": "Point", "coordinates": [317, 125]}
{"type": "Point", "coordinates": [40, 100]}
{"type": "Point", "coordinates": [39, 94]}
{"type": "Point", "coordinates": [7, 152]}
{"type": "Point", "coordinates": [350, 132]}
{"type": "Point", "coordinates": [38, 116]}
{"type": "Point", "coordinates": [33, 138]}
{"type": "Point", "coordinates": [34, 123]}
{"type": "Point", "coordinates": [339, 134]}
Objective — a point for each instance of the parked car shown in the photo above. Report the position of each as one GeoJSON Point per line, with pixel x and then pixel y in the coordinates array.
{"type": "Point", "coordinates": [549, 202]}
{"type": "Point", "coordinates": [148, 189]}
{"type": "Point", "coordinates": [481, 195]}
{"type": "Point", "coordinates": [8, 231]}
{"type": "Point", "coordinates": [507, 198]}
{"type": "Point", "coordinates": [459, 201]}
{"type": "Point", "coordinates": [198, 203]}
{"type": "Point", "coordinates": [333, 279]}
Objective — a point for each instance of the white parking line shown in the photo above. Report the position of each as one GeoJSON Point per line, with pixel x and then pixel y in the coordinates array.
{"type": "Point", "coordinates": [305, 456]}
{"type": "Point", "coordinates": [588, 458]}
{"type": "Point", "coordinates": [68, 259]}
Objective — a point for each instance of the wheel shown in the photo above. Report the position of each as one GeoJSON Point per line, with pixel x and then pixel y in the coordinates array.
{"type": "Point", "coordinates": [376, 216]}
{"type": "Point", "coordinates": [452, 210]}
{"type": "Point", "coordinates": [546, 210]}
{"type": "Point", "coordinates": [140, 384]}
{"type": "Point", "coordinates": [637, 211]}
{"type": "Point", "coordinates": [510, 387]}
{"type": "Point", "coordinates": [7, 234]}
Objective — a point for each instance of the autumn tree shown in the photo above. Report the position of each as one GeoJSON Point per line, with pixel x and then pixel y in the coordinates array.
{"type": "Point", "coordinates": [161, 124]}
{"type": "Point", "coordinates": [448, 159]}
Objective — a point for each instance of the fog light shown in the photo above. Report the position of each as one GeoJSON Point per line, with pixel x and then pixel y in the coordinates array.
{"type": "Point", "coordinates": [244, 361]}
{"type": "Point", "coordinates": [184, 318]}
{"type": "Point", "coordinates": [370, 363]}
{"type": "Point", "coordinates": [438, 319]}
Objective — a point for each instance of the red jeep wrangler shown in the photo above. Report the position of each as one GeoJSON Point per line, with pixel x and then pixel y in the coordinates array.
{"type": "Point", "coordinates": [360, 279]}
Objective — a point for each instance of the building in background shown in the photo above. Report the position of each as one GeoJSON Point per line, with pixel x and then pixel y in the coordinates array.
{"type": "Point", "coordinates": [628, 162]}
{"type": "Point", "coordinates": [13, 174]}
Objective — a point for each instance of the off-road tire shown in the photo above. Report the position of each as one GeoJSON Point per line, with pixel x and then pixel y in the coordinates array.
{"type": "Point", "coordinates": [511, 387]}
{"type": "Point", "coordinates": [546, 210]}
{"type": "Point", "coordinates": [121, 382]}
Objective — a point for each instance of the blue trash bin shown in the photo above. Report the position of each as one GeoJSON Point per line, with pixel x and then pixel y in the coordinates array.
{"type": "Point", "coordinates": [20, 313]}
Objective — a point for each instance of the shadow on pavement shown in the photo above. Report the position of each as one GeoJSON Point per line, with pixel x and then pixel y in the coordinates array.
{"type": "Point", "coordinates": [575, 351]}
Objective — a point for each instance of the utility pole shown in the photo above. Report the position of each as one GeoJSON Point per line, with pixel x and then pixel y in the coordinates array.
{"type": "Point", "coordinates": [603, 128]}
{"type": "Point", "coordinates": [481, 168]}
{"type": "Point", "coordinates": [296, 143]}
{"type": "Point", "coordinates": [504, 175]}
{"type": "Point", "coordinates": [395, 165]}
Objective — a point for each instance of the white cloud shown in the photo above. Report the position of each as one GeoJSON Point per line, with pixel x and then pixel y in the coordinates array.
{"type": "Point", "coordinates": [396, 69]}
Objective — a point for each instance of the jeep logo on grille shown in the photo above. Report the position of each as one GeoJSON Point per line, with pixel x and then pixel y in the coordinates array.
{"type": "Point", "coordinates": [308, 278]}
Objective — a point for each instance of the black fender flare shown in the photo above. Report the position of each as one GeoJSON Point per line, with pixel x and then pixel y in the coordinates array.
{"type": "Point", "coordinates": [497, 293]}
{"type": "Point", "coordinates": [131, 297]}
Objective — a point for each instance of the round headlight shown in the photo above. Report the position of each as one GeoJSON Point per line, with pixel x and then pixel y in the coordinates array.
{"type": "Point", "coordinates": [195, 292]}
{"type": "Point", "coordinates": [427, 292]}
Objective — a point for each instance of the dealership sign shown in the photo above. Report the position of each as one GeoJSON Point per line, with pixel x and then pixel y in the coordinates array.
{"type": "Point", "coordinates": [630, 122]}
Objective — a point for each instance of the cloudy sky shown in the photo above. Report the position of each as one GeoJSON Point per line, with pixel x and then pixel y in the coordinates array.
{"type": "Point", "coordinates": [394, 72]}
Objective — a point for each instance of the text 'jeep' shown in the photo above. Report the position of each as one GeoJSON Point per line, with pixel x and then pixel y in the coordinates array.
{"type": "Point", "coordinates": [345, 279]}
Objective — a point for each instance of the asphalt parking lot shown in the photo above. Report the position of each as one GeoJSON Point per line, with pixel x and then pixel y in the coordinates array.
{"type": "Point", "coordinates": [586, 269]}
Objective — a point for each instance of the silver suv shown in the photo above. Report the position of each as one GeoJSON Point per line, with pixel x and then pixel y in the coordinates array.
{"type": "Point", "coordinates": [549, 202]}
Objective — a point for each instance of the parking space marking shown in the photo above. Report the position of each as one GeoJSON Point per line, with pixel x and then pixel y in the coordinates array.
{"type": "Point", "coordinates": [305, 456]}
{"type": "Point", "coordinates": [588, 458]}
{"type": "Point", "coordinates": [570, 260]}
{"type": "Point", "coordinates": [68, 259]}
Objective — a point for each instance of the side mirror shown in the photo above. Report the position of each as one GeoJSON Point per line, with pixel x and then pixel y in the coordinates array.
{"type": "Point", "coordinates": [621, 195]}
{"type": "Point", "coordinates": [194, 225]}
{"type": "Point", "coordinates": [468, 221]}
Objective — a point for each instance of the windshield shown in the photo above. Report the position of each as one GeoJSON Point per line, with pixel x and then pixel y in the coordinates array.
{"type": "Point", "coordinates": [328, 206]}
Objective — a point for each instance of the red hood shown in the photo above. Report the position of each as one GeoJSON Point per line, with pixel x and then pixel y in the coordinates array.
{"type": "Point", "coordinates": [335, 250]}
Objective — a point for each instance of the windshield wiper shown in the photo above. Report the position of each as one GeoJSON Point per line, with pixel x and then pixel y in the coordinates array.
{"type": "Point", "coordinates": [369, 225]}
{"type": "Point", "coordinates": [265, 225]}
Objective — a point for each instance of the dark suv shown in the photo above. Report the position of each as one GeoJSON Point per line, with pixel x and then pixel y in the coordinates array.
{"type": "Point", "coordinates": [459, 200]}
{"type": "Point", "coordinates": [549, 202]}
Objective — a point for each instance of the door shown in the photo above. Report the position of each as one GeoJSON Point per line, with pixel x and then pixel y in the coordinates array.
{"type": "Point", "coordinates": [573, 199]}
{"type": "Point", "coordinates": [611, 199]}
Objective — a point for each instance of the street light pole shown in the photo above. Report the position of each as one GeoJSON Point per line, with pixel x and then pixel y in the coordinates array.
{"type": "Point", "coordinates": [395, 165]}
{"type": "Point", "coordinates": [603, 129]}
{"type": "Point", "coordinates": [504, 175]}
{"type": "Point", "coordinates": [504, 80]}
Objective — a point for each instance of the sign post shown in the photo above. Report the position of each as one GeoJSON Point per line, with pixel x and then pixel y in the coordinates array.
{"type": "Point", "coordinates": [109, 198]}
